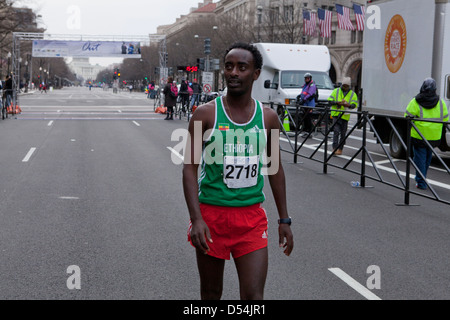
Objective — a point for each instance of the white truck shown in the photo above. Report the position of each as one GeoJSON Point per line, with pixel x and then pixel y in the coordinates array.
{"type": "Point", "coordinates": [284, 67]}
{"type": "Point", "coordinates": [412, 43]}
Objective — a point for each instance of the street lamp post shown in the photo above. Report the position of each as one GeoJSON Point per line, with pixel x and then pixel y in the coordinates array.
{"type": "Point", "coordinates": [259, 14]}
{"type": "Point", "coordinates": [9, 61]}
{"type": "Point", "coordinates": [40, 78]}
{"type": "Point", "coordinates": [26, 76]}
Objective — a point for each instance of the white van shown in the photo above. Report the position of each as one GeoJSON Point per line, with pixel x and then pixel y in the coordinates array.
{"type": "Point", "coordinates": [284, 68]}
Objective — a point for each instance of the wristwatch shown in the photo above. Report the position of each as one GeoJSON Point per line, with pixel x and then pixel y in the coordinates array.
{"type": "Point", "coordinates": [285, 221]}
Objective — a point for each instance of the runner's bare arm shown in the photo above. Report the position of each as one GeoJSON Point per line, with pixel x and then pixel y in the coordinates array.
{"type": "Point", "coordinates": [200, 235]}
{"type": "Point", "coordinates": [277, 182]}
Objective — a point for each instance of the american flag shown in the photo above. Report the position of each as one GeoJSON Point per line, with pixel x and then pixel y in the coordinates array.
{"type": "Point", "coordinates": [344, 21]}
{"type": "Point", "coordinates": [325, 17]}
{"type": "Point", "coordinates": [309, 23]}
{"type": "Point", "coordinates": [360, 16]}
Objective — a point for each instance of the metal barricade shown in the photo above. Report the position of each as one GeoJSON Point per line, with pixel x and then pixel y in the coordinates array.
{"type": "Point", "coordinates": [298, 147]}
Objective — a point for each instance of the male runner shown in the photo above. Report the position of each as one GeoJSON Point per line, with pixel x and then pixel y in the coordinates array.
{"type": "Point", "coordinates": [225, 203]}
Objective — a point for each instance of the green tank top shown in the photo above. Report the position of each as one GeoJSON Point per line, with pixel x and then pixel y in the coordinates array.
{"type": "Point", "coordinates": [232, 160]}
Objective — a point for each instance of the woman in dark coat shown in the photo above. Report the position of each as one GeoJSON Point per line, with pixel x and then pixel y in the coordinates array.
{"type": "Point", "coordinates": [169, 100]}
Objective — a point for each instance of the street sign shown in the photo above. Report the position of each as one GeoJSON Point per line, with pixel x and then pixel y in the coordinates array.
{"type": "Point", "coordinates": [208, 77]}
{"type": "Point", "coordinates": [207, 81]}
{"type": "Point", "coordinates": [207, 88]}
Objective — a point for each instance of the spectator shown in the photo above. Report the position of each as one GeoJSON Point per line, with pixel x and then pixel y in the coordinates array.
{"type": "Point", "coordinates": [342, 99]}
{"type": "Point", "coordinates": [426, 105]}
{"type": "Point", "coordinates": [197, 91]}
{"type": "Point", "coordinates": [170, 98]}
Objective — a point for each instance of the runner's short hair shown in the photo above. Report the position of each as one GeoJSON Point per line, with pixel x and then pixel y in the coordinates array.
{"type": "Point", "coordinates": [257, 57]}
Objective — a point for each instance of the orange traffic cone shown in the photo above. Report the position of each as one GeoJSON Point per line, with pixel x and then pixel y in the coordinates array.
{"type": "Point", "coordinates": [18, 110]}
{"type": "Point", "coordinates": [194, 107]}
{"type": "Point", "coordinates": [9, 110]}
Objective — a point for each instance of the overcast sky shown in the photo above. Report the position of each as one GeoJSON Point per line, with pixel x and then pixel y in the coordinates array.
{"type": "Point", "coordinates": [108, 17]}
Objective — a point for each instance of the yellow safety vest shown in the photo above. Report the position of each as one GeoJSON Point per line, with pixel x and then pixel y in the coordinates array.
{"type": "Point", "coordinates": [337, 96]}
{"type": "Point", "coordinates": [432, 131]}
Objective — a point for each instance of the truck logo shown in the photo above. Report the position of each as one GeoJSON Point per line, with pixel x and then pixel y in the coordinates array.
{"type": "Point", "coordinates": [395, 43]}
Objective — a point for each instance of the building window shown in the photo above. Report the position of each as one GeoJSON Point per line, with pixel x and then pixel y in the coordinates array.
{"type": "Point", "coordinates": [288, 13]}
{"type": "Point", "coordinates": [353, 37]}
{"type": "Point", "coordinates": [448, 87]}
{"type": "Point", "coordinates": [360, 36]}
{"type": "Point", "coordinates": [333, 37]}
{"type": "Point", "coordinates": [274, 15]}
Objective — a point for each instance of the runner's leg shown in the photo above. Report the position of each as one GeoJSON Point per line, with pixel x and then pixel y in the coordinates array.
{"type": "Point", "coordinates": [211, 276]}
{"type": "Point", "coordinates": [252, 272]}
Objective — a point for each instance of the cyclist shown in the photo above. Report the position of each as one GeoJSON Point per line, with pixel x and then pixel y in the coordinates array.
{"type": "Point", "coordinates": [7, 93]}
{"type": "Point", "coordinates": [8, 90]}
{"type": "Point", "coordinates": [197, 91]}
{"type": "Point", "coordinates": [307, 98]}
{"type": "Point", "coordinates": [184, 94]}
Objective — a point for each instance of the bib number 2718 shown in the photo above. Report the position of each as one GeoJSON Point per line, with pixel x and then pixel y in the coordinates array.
{"type": "Point", "coordinates": [240, 172]}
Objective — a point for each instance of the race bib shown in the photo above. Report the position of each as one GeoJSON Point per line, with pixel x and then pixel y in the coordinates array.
{"type": "Point", "coordinates": [240, 172]}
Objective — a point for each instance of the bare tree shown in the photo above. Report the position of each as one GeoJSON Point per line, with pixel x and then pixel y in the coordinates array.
{"type": "Point", "coordinates": [282, 22]}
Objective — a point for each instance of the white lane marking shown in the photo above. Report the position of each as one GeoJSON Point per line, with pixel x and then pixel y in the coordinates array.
{"type": "Point", "coordinates": [50, 123]}
{"type": "Point", "coordinates": [366, 293]}
{"type": "Point", "coordinates": [137, 124]}
{"type": "Point", "coordinates": [386, 161]}
{"type": "Point", "coordinates": [360, 139]}
{"type": "Point", "coordinates": [29, 154]}
{"type": "Point", "coordinates": [69, 198]}
{"type": "Point", "coordinates": [176, 153]}
{"type": "Point", "coordinates": [120, 111]}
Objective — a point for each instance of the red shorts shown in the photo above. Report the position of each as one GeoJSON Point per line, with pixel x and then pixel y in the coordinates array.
{"type": "Point", "coordinates": [234, 230]}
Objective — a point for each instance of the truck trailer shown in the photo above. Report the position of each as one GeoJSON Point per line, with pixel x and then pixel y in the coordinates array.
{"type": "Point", "coordinates": [412, 44]}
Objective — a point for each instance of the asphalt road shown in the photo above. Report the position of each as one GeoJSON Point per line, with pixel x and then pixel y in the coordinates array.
{"type": "Point", "coordinates": [87, 179]}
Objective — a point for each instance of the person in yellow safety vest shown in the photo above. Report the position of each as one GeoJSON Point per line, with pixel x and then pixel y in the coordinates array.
{"type": "Point", "coordinates": [342, 99]}
{"type": "Point", "coordinates": [426, 106]}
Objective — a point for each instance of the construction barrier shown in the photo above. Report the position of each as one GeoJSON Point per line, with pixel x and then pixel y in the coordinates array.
{"type": "Point", "coordinates": [286, 124]}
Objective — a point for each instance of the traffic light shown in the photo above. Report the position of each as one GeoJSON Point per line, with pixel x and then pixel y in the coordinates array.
{"type": "Point", "coordinates": [207, 46]}
{"type": "Point", "coordinates": [201, 64]}
{"type": "Point", "coordinates": [118, 72]}
{"type": "Point", "coordinates": [166, 59]}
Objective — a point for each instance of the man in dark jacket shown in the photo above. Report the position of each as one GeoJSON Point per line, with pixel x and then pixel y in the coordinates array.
{"type": "Point", "coordinates": [197, 90]}
{"type": "Point", "coordinates": [8, 90]}
{"type": "Point", "coordinates": [184, 94]}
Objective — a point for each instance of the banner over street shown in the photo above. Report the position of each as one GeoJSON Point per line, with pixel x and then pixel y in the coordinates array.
{"type": "Point", "coordinates": [109, 49]}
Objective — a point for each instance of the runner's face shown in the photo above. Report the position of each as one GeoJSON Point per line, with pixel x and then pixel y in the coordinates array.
{"type": "Point", "coordinates": [240, 71]}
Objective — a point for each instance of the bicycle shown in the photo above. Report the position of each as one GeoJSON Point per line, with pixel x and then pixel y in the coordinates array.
{"type": "Point", "coordinates": [5, 104]}
{"type": "Point", "coordinates": [321, 127]}
{"type": "Point", "coordinates": [157, 100]}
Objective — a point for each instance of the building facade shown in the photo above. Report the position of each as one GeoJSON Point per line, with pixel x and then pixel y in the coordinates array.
{"type": "Point", "coordinates": [84, 69]}
{"type": "Point", "coordinates": [281, 21]}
